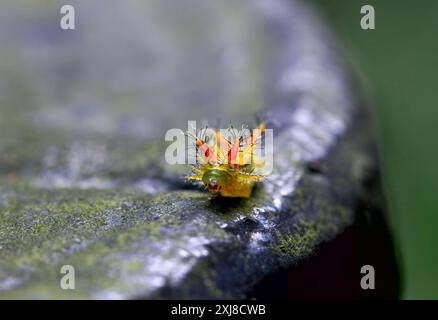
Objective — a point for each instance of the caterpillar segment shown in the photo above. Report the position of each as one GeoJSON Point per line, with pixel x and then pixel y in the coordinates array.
{"type": "Point", "coordinates": [229, 168]}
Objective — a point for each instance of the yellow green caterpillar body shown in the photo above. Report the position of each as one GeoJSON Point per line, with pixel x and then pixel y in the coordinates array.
{"type": "Point", "coordinates": [228, 167]}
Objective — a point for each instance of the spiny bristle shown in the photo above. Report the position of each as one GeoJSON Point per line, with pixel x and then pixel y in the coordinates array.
{"type": "Point", "coordinates": [235, 143]}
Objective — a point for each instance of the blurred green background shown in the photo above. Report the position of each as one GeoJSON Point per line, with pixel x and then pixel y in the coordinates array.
{"type": "Point", "coordinates": [399, 60]}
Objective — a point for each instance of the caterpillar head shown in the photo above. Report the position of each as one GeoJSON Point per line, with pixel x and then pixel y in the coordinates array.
{"type": "Point", "coordinates": [215, 179]}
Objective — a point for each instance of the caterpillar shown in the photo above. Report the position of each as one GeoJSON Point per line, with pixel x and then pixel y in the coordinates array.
{"type": "Point", "coordinates": [228, 165]}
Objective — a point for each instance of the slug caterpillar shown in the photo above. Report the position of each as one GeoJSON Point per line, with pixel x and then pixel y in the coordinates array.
{"type": "Point", "coordinates": [227, 162]}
